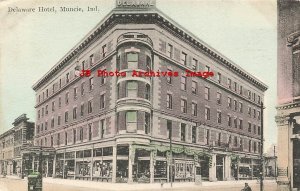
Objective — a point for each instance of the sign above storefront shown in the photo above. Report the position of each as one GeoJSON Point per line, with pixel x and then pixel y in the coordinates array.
{"type": "Point", "coordinates": [136, 4]}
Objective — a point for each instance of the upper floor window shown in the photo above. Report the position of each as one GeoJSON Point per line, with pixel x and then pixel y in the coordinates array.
{"type": "Point", "coordinates": [194, 109]}
{"type": "Point", "coordinates": [104, 50]}
{"type": "Point", "coordinates": [169, 101]}
{"type": "Point", "coordinates": [241, 90]}
{"type": "Point", "coordinates": [147, 92]}
{"type": "Point", "coordinates": [183, 106]}
{"type": "Point", "coordinates": [131, 89]}
{"type": "Point", "coordinates": [182, 131]}
{"type": "Point", "coordinates": [82, 88]}
{"type": "Point", "coordinates": [207, 113]}
{"type": "Point", "coordinates": [169, 129]}
{"type": "Point", "coordinates": [194, 134]}
{"type": "Point", "coordinates": [92, 60]}
{"type": "Point", "coordinates": [219, 96]}
{"type": "Point", "coordinates": [207, 93]}
{"type": "Point", "coordinates": [183, 58]}
{"type": "Point", "coordinates": [90, 106]}
{"type": "Point", "coordinates": [132, 60]}
{"type": "Point", "coordinates": [67, 98]}
{"type": "Point", "coordinates": [67, 77]}
{"type": "Point", "coordinates": [147, 123]}
{"type": "Point", "coordinates": [81, 134]}
{"type": "Point", "coordinates": [249, 94]}
{"type": "Point", "coordinates": [170, 51]}
{"type": "Point", "coordinates": [91, 83]}
{"type": "Point", "coordinates": [74, 112]}
{"type": "Point", "coordinates": [229, 120]}
{"type": "Point", "coordinates": [241, 107]}
{"type": "Point", "coordinates": [194, 64]}
{"type": "Point", "coordinates": [219, 78]}
{"type": "Point", "coordinates": [169, 78]}
{"type": "Point", "coordinates": [102, 101]}
{"type": "Point", "coordinates": [90, 131]}
{"type": "Point", "coordinates": [183, 83]}
{"type": "Point", "coordinates": [194, 87]}
{"type": "Point", "coordinates": [207, 68]}
{"type": "Point", "coordinates": [229, 100]}
{"type": "Point", "coordinates": [66, 116]}
{"type": "Point", "coordinates": [131, 121]}
{"type": "Point", "coordinates": [219, 117]}
{"type": "Point", "coordinates": [229, 83]}
{"type": "Point", "coordinates": [102, 128]}
{"type": "Point", "coordinates": [258, 99]}
{"type": "Point", "coordinates": [249, 127]}
{"type": "Point", "coordinates": [241, 124]}
{"type": "Point", "coordinates": [235, 86]}
{"type": "Point", "coordinates": [235, 105]}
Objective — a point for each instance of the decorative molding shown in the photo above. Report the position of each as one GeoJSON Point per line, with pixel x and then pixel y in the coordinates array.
{"type": "Point", "coordinates": [282, 120]}
{"type": "Point", "coordinates": [293, 40]}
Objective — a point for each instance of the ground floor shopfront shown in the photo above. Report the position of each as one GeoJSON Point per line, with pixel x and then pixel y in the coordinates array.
{"type": "Point", "coordinates": [127, 163]}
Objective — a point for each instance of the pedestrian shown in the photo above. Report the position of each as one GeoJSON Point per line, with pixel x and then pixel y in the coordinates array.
{"type": "Point", "coordinates": [247, 187]}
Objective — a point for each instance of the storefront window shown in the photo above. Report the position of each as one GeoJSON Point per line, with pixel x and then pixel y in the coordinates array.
{"type": "Point", "coordinates": [102, 168]}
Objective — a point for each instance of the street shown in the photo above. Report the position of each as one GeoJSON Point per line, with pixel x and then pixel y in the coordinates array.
{"type": "Point", "coordinates": [7, 184]}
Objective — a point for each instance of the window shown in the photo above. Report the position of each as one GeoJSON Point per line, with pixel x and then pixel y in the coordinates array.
{"type": "Point", "coordinates": [235, 122]}
{"type": "Point", "coordinates": [39, 98]}
{"type": "Point", "coordinates": [219, 96]}
{"type": "Point", "coordinates": [59, 102]}
{"type": "Point", "coordinates": [147, 92]}
{"type": "Point", "coordinates": [102, 101]}
{"type": "Point", "coordinates": [102, 128]}
{"type": "Point", "coordinates": [254, 113]}
{"type": "Point", "coordinates": [194, 64]}
{"type": "Point", "coordinates": [194, 109]}
{"type": "Point", "coordinates": [75, 92]}
{"type": "Point", "coordinates": [183, 106]}
{"type": "Point", "coordinates": [82, 109]}
{"type": "Point", "coordinates": [194, 134]}
{"type": "Point", "coordinates": [53, 88]}
{"type": "Point", "coordinates": [66, 138]}
{"type": "Point", "coordinates": [90, 106]}
{"type": "Point", "coordinates": [91, 83]}
{"type": "Point", "coordinates": [42, 127]}
{"type": "Point", "coordinates": [249, 110]}
{"type": "Point", "coordinates": [170, 51]}
{"type": "Point", "coordinates": [229, 120]}
{"type": "Point", "coordinates": [258, 115]}
{"type": "Point", "coordinates": [92, 60]}
{"type": "Point", "coordinates": [53, 106]}
{"type": "Point", "coordinates": [241, 90]}
{"type": "Point", "coordinates": [67, 98]}
{"type": "Point", "coordinates": [46, 125]}
{"type": "Point", "coordinates": [250, 145]}
{"type": "Point", "coordinates": [235, 86]}
{"type": "Point", "coordinates": [169, 101]}
{"type": "Point", "coordinates": [52, 122]}
{"type": "Point", "coordinates": [147, 123]}
{"type": "Point", "coordinates": [194, 87]}
{"type": "Point", "coordinates": [183, 58]}
{"type": "Point", "coordinates": [229, 102]}
{"type": "Point", "coordinates": [229, 83]}
{"type": "Point", "coordinates": [46, 110]}
{"type": "Point", "coordinates": [103, 79]}
{"type": "Point", "coordinates": [90, 132]}
{"type": "Point", "coordinates": [258, 130]}
{"type": "Point", "coordinates": [47, 93]}
{"type": "Point", "coordinates": [39, 114]}
{"type": "Point", "coordinates": [74, 136]}
{"type": "Point", "coordinates": [207, 113]}
{"type": "Point", "coordinates": [241, 107]}
{"type": "Point", "coordinates": [249, 127]}
{"type": "Point", "coordinates": [207, 93]}
{"type": "Point", "coordinates": [58, 139]}
{"type": "Point", "coordinates": [104, 50]}
{"type": "Point", "coordinates": [235, 105]}
{"type": "Point", "coordinates": [58, 120]}
{"type": "Point", "coordinates": [254, 97]}
{"type": "Point", "coordinates": [183, 83]}
{"type": "Point", "coordinates": [132, 60]}
{"type": "Point", "coordinates": [131, 121]}
{"type": "Point", "coordinates": [241, 124]}
{"type": "Point", "coordinates": [182, 131]}
{"type": "Point", "coordinates": [82, 88]}
{"type": "Point", "coordinates": [169, 129]}
{"type": "Point", "coordinates": [219, 139]}
{"type": "Point", "coordinates": [235, 141]}
{"type": "Point", "coordinates": [207, 68]}
{"type": "Point", "coordinates": [254, 129]}
{"type": "Point", "coordinates": [241, 143]}
{"type": "Point", "coordinates": [207, 136]}
{"type": "Point", "coordinates": [169, 78]}
{"type": "Point", "coordinates": [219, 78]}
{"type": "Point", "coordinates": [66, 117]}
{"type": "Point", "coordinates": [74, 112]}
{"type": "Point", "coordinates": [82, 65]}
{"type": "Point", "coordinates": [67, 77]}
{"type": "Point", "coordinates": [219, 117]}
{"type": "Point", "coordinates": [258, 99]}
{"type": "Point", "coordinates": [249, 94]}
{"type": "Point", "coordinates": [148, 64]}
{"type": "Point", "coordinates": [81, 134]}
{"type": "Point", "coordinates": [131, 90]}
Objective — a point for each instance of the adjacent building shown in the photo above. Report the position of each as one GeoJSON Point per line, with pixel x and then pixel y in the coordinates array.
{"type": "Point", "coordinates": [117, 128]}
{"type": "Point", "coordinates": [12, 143]}
{"type": "Point", "coordinates": [288, 109]}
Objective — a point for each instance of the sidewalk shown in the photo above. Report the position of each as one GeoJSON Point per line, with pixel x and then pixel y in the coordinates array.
{"type": "Point", "coordinates": [154, 186]}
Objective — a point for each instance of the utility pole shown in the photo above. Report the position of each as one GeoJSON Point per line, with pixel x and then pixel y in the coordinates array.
{"type": "Point", "coordinates": [262, 148]}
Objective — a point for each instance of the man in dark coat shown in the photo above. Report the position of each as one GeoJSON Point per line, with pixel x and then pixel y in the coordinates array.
{"type": "Point", "coordinates": [247, 187]}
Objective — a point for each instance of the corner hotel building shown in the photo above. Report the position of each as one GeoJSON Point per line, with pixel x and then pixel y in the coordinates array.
{"type": "Point", "coordinates": [117, 129]}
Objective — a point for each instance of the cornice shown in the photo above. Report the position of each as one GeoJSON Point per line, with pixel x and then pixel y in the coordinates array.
{"type": "Point", "coordinates": [288, 106]}
{"type": "Point", "coordinates": [140, 17]}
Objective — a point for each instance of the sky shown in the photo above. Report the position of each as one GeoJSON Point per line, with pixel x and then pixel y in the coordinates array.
{"type": "Point", "coordinates": [31, 43]}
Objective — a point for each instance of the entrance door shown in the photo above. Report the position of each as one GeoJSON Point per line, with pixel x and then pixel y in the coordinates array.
{"type": "Point", "coordinates": [220, 168]}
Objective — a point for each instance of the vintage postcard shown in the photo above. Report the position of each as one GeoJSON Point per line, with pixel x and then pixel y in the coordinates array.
{"type": "Point", "coordinates": [138, 95]}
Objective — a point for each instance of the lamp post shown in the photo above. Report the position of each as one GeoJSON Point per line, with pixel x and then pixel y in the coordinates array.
{"type": "Point", "coordinates": [262, 148]}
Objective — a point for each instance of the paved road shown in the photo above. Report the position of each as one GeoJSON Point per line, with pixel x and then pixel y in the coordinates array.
{"type": "Point", "coordinates": [21, 185]}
